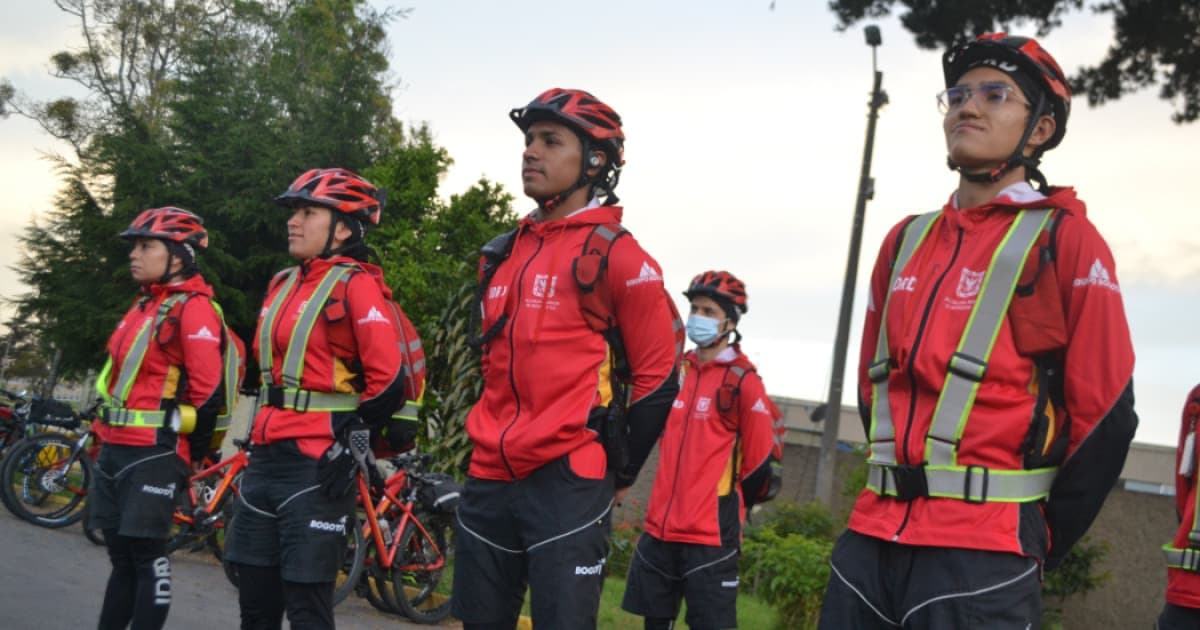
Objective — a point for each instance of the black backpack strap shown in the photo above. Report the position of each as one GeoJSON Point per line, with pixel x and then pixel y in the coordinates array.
{"type": "Point", "coordinates": [494, 252]}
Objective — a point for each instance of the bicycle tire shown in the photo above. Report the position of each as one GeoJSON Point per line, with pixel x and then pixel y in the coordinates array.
{"type": "Point", "coordinates": [353, 565]}
{"type": "Point", "coordinates": [416, 590]}
{"type": "Point", "coordinates": [31, 479]}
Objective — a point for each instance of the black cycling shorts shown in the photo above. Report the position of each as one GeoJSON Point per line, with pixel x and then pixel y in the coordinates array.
{"type": "Point", "coordinates": [135, 490]}
{"type": "Point", "coordinates": [283, 520]}
{"type": "Point", "coordinates": [549, 530]}
{"type": "Point", "coordinates": [1177, 618]}
{"type": "Point", "coordinates": [663, 573]}
{"type": "Point", "coordinates": [876, 583]}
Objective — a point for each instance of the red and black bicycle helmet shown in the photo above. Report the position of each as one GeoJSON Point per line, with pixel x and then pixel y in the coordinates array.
{"type": "Point", "coordinates": [171, 224]}
{"type": "Point", "coordinates": [597, 125]}
{"type": "Point", "coordinates": [1015, 55]}
{"type": "Point", "coordinates": [339, 190]}
{"type": "Point", "coordinates": [724, 288]}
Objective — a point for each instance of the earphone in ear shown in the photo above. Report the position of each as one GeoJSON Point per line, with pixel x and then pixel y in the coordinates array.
{"type": "Point", "coordinates": [595, 160]}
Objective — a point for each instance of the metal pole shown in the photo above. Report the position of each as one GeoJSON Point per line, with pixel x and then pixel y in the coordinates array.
{"type": "Point", "coordinates": [826, 467]}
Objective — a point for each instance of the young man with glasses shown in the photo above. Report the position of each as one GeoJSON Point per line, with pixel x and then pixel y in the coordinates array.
{"type": "Point", "coordinates": [995, 373]}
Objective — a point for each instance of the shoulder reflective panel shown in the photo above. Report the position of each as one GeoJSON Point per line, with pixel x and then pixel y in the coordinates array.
{"type": "Point", "coordinates": [883, 431]}
{"type": "Point", "coordinates": [266, 359]}
{"type": "Point", "coordinates": [291, 395]}
{"type": "Point", "coordinates": [117, 414]}
{"type": "Point", "coordinates": [968, 366]}
{"type": "Point", "coordinates": [293, 359]}
{"type": "Point", "coordinates": [231, 367]}
{"type": "Point", "coordinates": [1187, 559]}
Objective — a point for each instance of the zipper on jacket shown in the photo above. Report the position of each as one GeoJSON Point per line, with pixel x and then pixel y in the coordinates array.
{"type": "Point", "coordinates": [687, 423]}
{"type": "Point", "coordinates": [512, 351]}
{"type": "Point", "coordinates": [902, 453]}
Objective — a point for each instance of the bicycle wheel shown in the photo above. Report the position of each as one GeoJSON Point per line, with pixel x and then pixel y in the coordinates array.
{"type": "Point", "coordinates": [45, 480]}
{"type": "Point", "coordinates": [354, 564]}
{"type": "Point", "coordinates": [416, 588]}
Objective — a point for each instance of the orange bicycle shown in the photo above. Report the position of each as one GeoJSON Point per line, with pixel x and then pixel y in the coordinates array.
{"type": "Point", "coordinates": [208, 509]}
{"type": "Point", "coordinates": [409, 534]}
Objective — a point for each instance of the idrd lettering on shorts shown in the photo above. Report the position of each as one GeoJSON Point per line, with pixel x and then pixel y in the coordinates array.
{"type": "Point", "coordinates": [729, 583]}
{"type": "Point", "coordinates": [162, 581]}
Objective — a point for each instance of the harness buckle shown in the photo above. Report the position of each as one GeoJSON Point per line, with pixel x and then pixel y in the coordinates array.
{"type": "Point", "coordinates": [911, 482]}
{"type": "Point", "coordinates": [967, 366]}
{"type": "Point", "coordinates": [878, 371]}
{"type": "Point", "coordinates": [307, 395]}
{"type": "Point", "coordinates": [275, 396]}
{"type": "Point", "coordinates": [967, 484]}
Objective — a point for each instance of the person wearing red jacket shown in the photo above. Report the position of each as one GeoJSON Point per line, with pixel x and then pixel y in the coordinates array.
{"type": "Point", "coordinates": [163, 375]}
{"type": "Point", "coordinates": [329, 356]}
{"type": "Point", "coordinates": [1182, 610]}
{"type": "Point", "coordinates": [537, 503]}
{"type": "Point", "coordinates": [719, 455]}
{"type": "Point", "coordinates": [995, 375]}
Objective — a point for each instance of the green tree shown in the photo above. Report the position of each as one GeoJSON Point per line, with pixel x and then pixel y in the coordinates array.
{"type": "Point", "coordinates": [1154, 42]}
{"type": "Point", "coordinates": [211, 105]}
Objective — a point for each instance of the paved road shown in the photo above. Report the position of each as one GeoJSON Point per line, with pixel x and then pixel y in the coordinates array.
{"type": "Point", "coordinates": [52, 579]}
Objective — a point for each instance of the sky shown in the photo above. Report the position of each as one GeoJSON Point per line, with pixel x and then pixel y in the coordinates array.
{"type": "Point", "coordinates": [745, 130]}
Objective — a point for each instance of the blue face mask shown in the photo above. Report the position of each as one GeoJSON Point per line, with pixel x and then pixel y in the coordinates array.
{"type": "Point", "coordinates": [703, 330]}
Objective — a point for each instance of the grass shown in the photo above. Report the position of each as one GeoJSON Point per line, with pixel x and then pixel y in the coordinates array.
{"type": "Point", "coordinates": [753, 613]}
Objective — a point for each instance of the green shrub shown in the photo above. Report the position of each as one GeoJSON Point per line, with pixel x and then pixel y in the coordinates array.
{"type": "Point", "coordinates": [789, 572]}
{"type": "Point", "coordinates": [625, 533]}
{"type": "Point", "coordinates": [811, 520]}
{"type": "Point", "coordinates": [1079, 574]}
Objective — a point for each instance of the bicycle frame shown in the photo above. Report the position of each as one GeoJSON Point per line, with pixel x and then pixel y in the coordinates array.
{"type": "Point", "coordinates": [387, 552]}
{"type": "Point", "coordinates": [212, 504]}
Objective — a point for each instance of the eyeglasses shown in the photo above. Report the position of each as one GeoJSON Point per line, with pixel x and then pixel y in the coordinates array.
{"type": "Point", "coordinates": [991, 95]}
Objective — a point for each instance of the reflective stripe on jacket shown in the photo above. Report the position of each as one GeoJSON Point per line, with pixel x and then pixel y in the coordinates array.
{"type": "Point", "coordinates": [182, 359]}
{"type": "Point", "coordinates": [1183, 586]}
{"type": "Point", "coordinates": [352, 349]}
{"type": "Point", "coordinates": [931, 300]}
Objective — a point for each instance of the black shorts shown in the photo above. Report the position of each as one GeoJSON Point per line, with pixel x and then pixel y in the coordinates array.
{"type": "Point", "coordinates": [550, 531]}
{"type": "Point", "coordinates": [875, 583]}
{"type": "Point", "coordinates": [1177, 618]}
{"type": "Point", "coordinates": [135, 490]}
{"type": "Point", "coordinates": [663, 573]}
{"type": "Point", "coordinates": [283, 520]}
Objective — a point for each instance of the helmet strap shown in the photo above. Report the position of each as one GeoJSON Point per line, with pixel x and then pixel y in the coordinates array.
{"type": "Point", "coordinates": [1018, 157]}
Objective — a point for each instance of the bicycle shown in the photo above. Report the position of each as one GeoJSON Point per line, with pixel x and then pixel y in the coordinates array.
{"type": "Point", "coordinates": [21, 415]}
{"type": "Point", "coordinates": [409, 534]}
{"type": "Point", "coordinates": [207, 511]}
{"type": "Point", "coordinates": [44, 478]}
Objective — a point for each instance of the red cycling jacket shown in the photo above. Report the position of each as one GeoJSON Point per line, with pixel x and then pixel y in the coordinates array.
{"type": "Point", "coordinates": [353, 349]}
{"type": "Point", "coordinates": [714, 442]}
{"type": "Point", "coordinates": [1074, 314]}
{"type": "Point", "coordinates": [1183, 587]}
{"type": "Point", "coordinates": [182, 363]}
{"type": "Point", "coordinates": [543, 371]}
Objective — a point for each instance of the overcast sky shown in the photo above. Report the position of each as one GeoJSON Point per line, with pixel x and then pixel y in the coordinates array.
{"type": "Point", "coordinates": [745, 132]}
